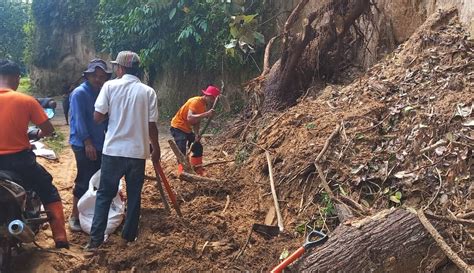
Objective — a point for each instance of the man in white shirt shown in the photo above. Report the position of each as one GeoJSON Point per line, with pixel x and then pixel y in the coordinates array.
{"type": "Point", "coordinates": [131, 109]}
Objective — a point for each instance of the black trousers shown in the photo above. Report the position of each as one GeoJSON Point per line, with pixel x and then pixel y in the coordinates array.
{"type": "Point", "coordinates": [183, 141]}
{"type": "Point", "coordinates": [86, 168]}
{"type": "Point", "coordinates": [33, 175]}
{"type": "Point", "coordinates": [66, 107]}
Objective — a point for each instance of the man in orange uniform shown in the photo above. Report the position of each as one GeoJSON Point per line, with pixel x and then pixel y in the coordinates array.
{"type": "Point", "coordinates": [17, 110]}
{"type": "Point", "coordinates": [187, 120]}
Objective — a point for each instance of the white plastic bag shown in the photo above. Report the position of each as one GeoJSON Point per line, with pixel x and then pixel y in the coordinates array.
{"type": "Point", "coordinates": [86, 206]}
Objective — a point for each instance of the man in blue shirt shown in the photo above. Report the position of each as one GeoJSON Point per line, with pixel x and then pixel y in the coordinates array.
{"type": "Point", "coordinates": [86, 136]}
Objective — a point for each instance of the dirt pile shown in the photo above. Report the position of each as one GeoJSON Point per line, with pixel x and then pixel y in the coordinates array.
{"type": "Point", "coordinates": [406, 139]}
{"type": "Point", "coordinates": [406, 136]}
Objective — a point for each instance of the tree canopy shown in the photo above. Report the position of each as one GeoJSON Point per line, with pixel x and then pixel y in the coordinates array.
{"type": "Point", "coordinates": [14, 16]}
{"type": "Point", "coordinates": [185, 32]}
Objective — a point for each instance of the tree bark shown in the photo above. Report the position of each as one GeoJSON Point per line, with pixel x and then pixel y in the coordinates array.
{"type": "Point", "coordinates": [390, 241]}
{"type": "Point", "coordinates": [302, 53]}
{"type": "Point", "coordinates": [197, 178]}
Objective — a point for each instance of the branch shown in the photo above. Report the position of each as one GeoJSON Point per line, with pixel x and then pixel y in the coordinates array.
{"type": "Point", "coordinates": [215, 163]}
{"type": "Point", "coordinates": [326, 144]}
{"type": "Point", "coordinates": [197, 178]}
{"type": "Point", "coordinates": [289, 62]}
{"type": "Point", "coordinates": [432, 147]}
{"type": "Point", "coordinates": [318, 167]}
{"type": "Point", "coordinates": [437, 191]}
{"type": "Point", "coordinates": [360, 7]}
{"type": "Point", "coordinates": [294, 16]}
{"type": "Point", "coordinates": [450, 219]}
{"type": "Point", "coordinates": [241, 251]}
{"type": "Point", "coordinates": [286, 30]}
{"type": "Point", "coordinates": [273, 17]}
{"type": "Point", "coordinates": [226, 205]}
{"type": "Point", "coordinates": [354, 204]}
{"type": "Point", "coordinates": [266, 58]}
{"type": "Point", "coordinates": [244, 132]}
{"type": "Point", "coordinates": [180, 157]}
{"type": "Point", "coordinates": [466, 215]}
{"type": "Point", "coordinates": [442, 244]}
{"type": "Point", "coordinates": [324, 182]}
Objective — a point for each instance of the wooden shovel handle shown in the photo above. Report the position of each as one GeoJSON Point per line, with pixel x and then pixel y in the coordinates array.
{"type": "Point", "coordinates": [162, 194]}
{"type": "Point", "coordinates": [208, 121]}
{"type": "Point", "coordinates": [159, 171]}
{"type": "Point", "coordinates": [293, 257]}
{"type": "Point", "coordinates": [274, 195]}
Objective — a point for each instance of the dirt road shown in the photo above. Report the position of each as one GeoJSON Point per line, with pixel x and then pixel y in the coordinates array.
{"type": "Point", "coordinates": [64, 171]}
{"type": "Point", "coordinates": [217, 217]}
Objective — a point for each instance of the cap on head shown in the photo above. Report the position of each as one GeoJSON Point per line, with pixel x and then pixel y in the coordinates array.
{"type": "Point", "coordinates": [211, 91]}
{"type": "Point", "coordinates": [127, 59]}
{"type": "Point", "coordinates": [97, 63]}
{"type": "Point", "coordinates": [9, 68]}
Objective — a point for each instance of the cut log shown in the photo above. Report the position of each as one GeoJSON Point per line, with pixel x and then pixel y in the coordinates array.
{"type": "Point", "coordinates": [197, 178]}
{"type": "Point", "coordinates": [390, 241]}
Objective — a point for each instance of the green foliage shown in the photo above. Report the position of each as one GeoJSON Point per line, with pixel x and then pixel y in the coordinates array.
{"type": "Point", "coordinates": [183, 34]}
{"type": "Point", "coordinates": [301, 228]}
{"type": "Point", "coordinates": [393, 196]}
{"type": "Point", "coordinates": [328, 208]}
{"type": "Point", "coordinates": [13, 16]}
{"type": "Point", "coordinates": [241, 155]}
{"type": "Point", "coordinates": [53, 18]}
{"type": "Point", "coordinates": [245, 37]}
{"type": "Point", "coordinates": [56, 142]}
{"type": "Point", "coordinates": [25, 86]}
{"type": "Point", "coordinates": [310, 126]}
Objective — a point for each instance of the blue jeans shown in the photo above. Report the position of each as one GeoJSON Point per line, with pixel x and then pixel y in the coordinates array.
{"type": "Point", "coordinates": [112, 169]}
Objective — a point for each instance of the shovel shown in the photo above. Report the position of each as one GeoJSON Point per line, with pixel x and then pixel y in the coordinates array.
{"type": "Point", "coordinates": [271, 231]}
{"type": "Point", "coordinates": [162, 194]}
{"type": "Point", "coordinates": [309, 243]}
{"type": "Point", "coordinates": [266, 230]}
{"type": "Point", "coordinates": [225, 106]}
{"type": "Point", "coordinates": [208, 121]}
{"type": "Point", "coordinates": [174, 202]}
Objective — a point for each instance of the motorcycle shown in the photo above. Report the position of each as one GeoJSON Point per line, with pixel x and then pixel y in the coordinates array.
{"type": "Point", "coordinates": [21, 214]}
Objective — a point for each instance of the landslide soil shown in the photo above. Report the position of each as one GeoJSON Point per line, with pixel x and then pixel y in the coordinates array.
{"type": "Point", "coordinates": [417, 96]}
{"type": "Point", "coordinates": [166, 242]}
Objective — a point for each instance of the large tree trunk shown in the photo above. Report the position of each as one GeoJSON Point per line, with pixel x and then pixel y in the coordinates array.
{"type": "Point", "coordinates": [390, 241]}
{"type": "Point", "coordinates": [306, 54]}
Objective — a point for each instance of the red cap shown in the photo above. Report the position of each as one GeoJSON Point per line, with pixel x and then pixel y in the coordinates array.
{"type": "Point", "coordinates": [211, 91]}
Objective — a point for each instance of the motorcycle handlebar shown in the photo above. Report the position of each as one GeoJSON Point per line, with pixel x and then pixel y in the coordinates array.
{"type": "Point", "coordinates": [47, 103]}
{"type": "Point", "coordinates": [33, 134]}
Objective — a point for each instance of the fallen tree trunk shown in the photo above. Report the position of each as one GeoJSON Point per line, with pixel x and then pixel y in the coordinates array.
{"type": "Point", "coordinates": [197, 178]}
{"type": "Point", "coordinates": [390, 241]}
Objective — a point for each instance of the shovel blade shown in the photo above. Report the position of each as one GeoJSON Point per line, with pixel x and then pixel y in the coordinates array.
{"type": "Point", "coordinates": [268, 231]}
